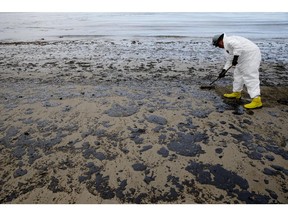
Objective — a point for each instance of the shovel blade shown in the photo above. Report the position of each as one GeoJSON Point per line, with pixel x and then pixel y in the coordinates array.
{"type": "Point", "coordinates": [207, 87]}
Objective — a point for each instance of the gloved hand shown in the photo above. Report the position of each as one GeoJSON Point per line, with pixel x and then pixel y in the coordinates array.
{"type": "Point", "coordinates": [235, 60]}
{"type": "Point", "coordinates": [222, 74]}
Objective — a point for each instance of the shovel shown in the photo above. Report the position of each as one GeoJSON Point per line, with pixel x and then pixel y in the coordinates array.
{"type": "Point", "coordinates": [210, 85]}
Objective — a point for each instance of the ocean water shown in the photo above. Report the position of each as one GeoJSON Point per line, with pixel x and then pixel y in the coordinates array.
{"type": "Point", "coordinates": [53, 26]}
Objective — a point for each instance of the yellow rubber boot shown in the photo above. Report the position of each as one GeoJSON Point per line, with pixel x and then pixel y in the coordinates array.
{"type": "Point", "coordinates": [255, 103]}
{"type": "Point", "coordinates": [236, 95]}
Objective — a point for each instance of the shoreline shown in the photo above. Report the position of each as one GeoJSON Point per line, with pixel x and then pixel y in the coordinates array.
{"type": "Point", "coordinates": [109, 59]}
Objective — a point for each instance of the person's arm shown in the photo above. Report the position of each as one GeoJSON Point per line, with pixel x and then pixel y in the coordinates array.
{"type": "Point", "coordinates": [237, 50]}
{"type": "Point", "coordinates": [228, 62]}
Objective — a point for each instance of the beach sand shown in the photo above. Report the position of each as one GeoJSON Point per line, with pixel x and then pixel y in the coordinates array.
{"type": "Point", "coordinates": [112, 120]}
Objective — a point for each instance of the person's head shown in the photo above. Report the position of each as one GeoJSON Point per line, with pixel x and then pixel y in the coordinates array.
{"type": "Point", "coordinates": [217, 40]}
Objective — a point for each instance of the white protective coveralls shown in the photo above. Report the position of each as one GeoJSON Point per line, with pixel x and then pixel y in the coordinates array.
{"type": "Point", "coordinates": [247, 70]}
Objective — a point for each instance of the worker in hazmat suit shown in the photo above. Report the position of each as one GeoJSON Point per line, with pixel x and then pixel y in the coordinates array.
{"type": "Point", "coordinates": [246, 57]}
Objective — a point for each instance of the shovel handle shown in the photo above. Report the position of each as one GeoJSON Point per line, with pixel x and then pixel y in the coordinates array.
{"type": "Point", "coordinates": [218, 77]}
{"type": "Point", "coordinates": [229, 68]}
{"type": "Point", "coordinates": [214, 81]}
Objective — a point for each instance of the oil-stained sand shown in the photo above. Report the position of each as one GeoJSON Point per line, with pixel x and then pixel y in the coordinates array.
{"type": "Point", "coordinates": [124, 129]}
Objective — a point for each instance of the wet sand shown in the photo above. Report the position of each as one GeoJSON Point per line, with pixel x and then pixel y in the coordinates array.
{"type": "Point", "coordinates": [125, 121]}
